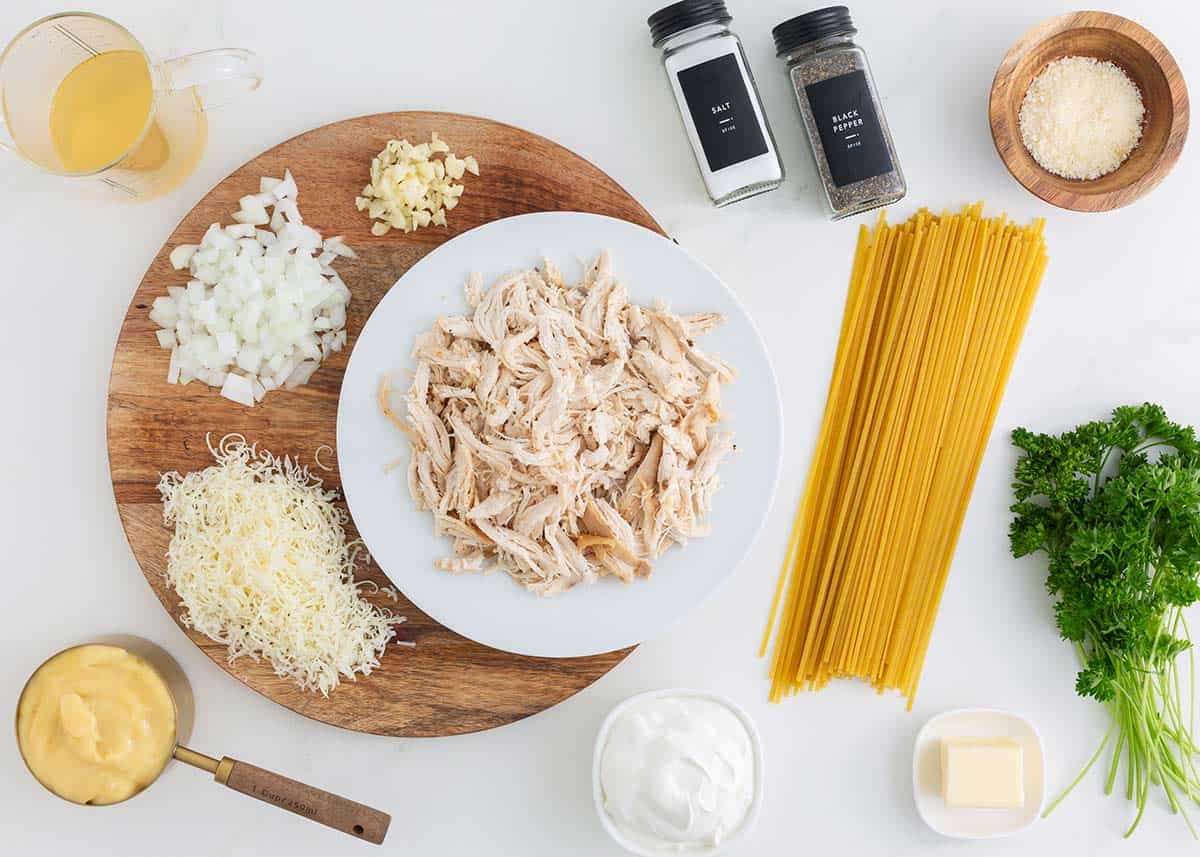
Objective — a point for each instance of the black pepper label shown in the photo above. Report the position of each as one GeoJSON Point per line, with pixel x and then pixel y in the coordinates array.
{"type": "Point", "coordinates": [849, 128]}
{"type": "Point", "coordinates": [722, 112]}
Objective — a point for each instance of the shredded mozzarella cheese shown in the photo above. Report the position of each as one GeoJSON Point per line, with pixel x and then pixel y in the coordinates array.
{"type": "Point", "coordinates": [260, 561]}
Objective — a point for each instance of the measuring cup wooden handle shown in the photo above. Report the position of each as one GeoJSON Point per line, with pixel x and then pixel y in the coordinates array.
{"type": "Point", "coordinates": [314, 804]}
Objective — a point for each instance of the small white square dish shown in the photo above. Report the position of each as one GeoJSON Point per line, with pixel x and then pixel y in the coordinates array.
{"type": "Point", "coordinates": [965, 823]}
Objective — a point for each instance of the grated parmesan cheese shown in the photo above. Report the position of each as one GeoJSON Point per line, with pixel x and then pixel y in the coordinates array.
{"type": "Point", "coordinates": [1081, 117]}
{"type": "Point", "coordinates": [260, 562]}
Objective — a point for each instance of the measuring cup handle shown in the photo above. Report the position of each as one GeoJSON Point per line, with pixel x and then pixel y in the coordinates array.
{"type": "Point", "coordinates": [326, 808]}
{"type": "Point", "coordinates": [219, 76]}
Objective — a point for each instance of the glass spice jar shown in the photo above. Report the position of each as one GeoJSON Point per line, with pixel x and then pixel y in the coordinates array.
{"type": "Point", "coordinates": [718, 101]}
{"type": "Point", "coordinates": [842, 114]}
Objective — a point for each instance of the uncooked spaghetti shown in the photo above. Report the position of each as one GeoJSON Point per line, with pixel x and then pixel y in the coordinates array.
{"type": "Point", "coordinates": [933, 318]}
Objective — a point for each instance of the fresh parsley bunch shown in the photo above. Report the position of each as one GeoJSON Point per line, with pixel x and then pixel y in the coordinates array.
{"type": "Point", "coordinates": [1116, 507]}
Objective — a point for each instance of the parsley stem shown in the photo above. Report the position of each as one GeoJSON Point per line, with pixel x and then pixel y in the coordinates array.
{"type": "Point", "coordinates": [1116, 762]}
{"type": "Point", "coordinates": [1082, 773]}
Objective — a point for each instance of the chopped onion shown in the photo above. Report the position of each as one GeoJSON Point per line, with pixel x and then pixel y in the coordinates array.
{"type": "Point", "coordinates": [301, 374]}
{"type": "Point", "coordinates": [181, 255]}
{"type": "Point", "coordinates": [239, 388]}
{"type": "Point", "coordinates": [264, 306]}
{"type": "Point", "coordinates": [285, 189]}
{"type": "Point", "coordinates": [173, 368]}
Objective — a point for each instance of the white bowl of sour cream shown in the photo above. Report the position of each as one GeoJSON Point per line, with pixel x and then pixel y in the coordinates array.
{"type": "Point", "coordinates": [677, 771]}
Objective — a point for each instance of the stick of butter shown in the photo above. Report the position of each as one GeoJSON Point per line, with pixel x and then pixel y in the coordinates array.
{"type": "Point", "coordinates": [982, 773]}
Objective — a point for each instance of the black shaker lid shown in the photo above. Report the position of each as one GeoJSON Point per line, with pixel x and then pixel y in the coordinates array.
{"type": "Point", "coordinates": [677, 17]}
{"type": "Point", "coordinates": [794, 32]}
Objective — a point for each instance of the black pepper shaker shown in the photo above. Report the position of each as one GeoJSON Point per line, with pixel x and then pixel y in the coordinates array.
{"type": "Point", "coordinates": [842, 114]}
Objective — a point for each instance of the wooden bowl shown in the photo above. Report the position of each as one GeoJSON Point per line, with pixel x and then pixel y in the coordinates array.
{"type": "Point", "coordinates": [1147, 62]}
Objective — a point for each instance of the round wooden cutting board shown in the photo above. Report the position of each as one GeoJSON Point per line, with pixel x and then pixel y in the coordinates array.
{"type": "Point", "coordinates": [447, 684]}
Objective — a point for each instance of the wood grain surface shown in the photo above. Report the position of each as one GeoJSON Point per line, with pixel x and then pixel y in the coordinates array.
{"type": "Point", "coordinates": [447, 684]}
{"type": "Point", "coordinates": [1147, 62]}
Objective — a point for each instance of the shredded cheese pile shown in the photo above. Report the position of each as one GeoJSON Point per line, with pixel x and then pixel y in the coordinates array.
{"type": "Point", "coordinates": [260, 561]}
{"type": "Point", "coordinates": [411, 187]}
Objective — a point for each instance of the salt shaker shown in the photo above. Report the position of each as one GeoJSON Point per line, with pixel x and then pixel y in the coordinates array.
{"type": "Point", "coordinates": [842, 114]}
{"type": "Point", "coordinates": [718, 101]}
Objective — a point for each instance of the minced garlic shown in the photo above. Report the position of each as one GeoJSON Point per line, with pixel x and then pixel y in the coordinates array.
{"type": "Point", "coordinates": [411, 187]}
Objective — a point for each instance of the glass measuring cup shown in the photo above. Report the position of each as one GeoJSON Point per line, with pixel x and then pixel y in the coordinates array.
{"type": "Point", "coordinates": [168, 684]}
{"type": "Point", "coordinates": [172, 139]}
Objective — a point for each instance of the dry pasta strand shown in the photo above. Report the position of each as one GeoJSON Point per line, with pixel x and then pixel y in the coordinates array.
{"type": "Point", "coordinates": [933, 318]}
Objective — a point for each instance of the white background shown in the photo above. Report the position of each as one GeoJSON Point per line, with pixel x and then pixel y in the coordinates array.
{"type": "Point", "coordinates": [1118, 321]}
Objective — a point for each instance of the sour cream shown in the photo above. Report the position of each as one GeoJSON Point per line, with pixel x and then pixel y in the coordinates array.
{"type": "Point", "coordinates": [677, 773]}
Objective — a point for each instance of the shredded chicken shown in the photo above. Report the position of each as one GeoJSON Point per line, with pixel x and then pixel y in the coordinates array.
{"type": "Point", "coordinates": [562, 432]}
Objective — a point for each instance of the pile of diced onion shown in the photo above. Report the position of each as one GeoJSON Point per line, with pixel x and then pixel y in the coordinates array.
{"type": "Point", "coordinates": [264, 306]}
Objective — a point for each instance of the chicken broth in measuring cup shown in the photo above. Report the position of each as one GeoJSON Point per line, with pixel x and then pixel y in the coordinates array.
{"type": "Point", "coordinates": [100, 111]}
{"type": "Point", "coordinates": [81, 97]}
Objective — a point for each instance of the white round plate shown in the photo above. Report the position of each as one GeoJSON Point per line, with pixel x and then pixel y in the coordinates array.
{"type": "Point", "coordinates": [492, 609]}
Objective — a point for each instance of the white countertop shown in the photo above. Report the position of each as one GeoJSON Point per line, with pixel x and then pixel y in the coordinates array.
{"type": "Point", "coordinates": [1118, 321]}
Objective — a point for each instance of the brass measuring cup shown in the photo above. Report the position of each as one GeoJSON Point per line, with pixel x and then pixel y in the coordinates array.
{"type": "Point", "coordinates": [356, 819]}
